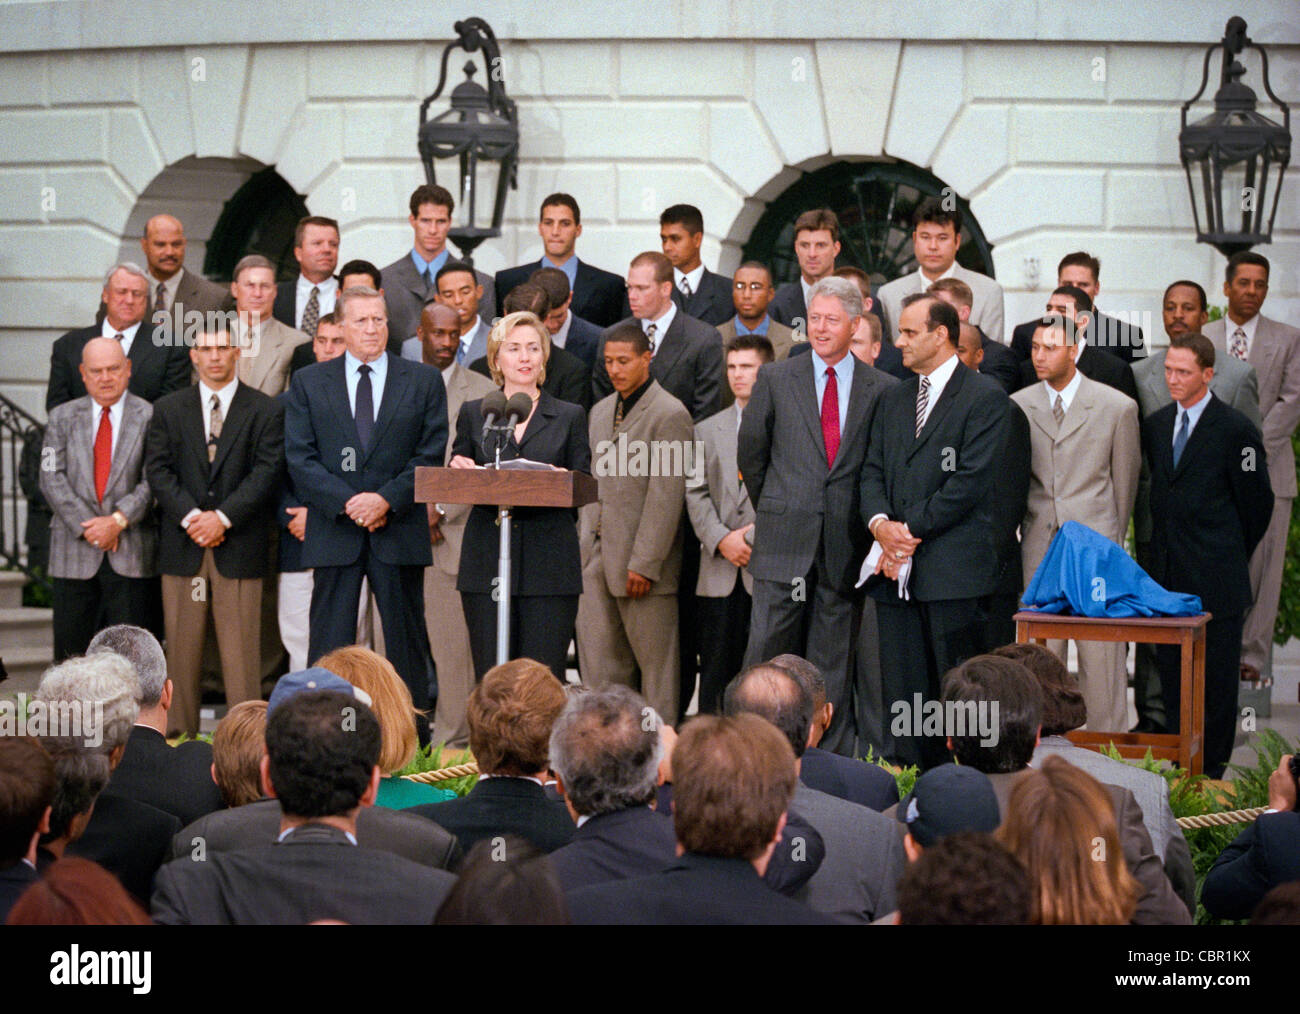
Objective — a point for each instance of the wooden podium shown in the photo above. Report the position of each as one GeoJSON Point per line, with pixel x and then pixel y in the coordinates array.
{"type": "Point", "coordinates": [505, 489]}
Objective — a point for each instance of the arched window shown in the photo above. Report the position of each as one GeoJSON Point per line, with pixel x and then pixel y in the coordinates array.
{"type": "Point", "coordinates": [259, 218]}
{"type": "Point", "coordinates": [874, 202]}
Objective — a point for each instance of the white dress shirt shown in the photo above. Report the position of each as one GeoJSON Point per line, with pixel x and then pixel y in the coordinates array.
{"type": "Point", "coordinates": [927, 282]}
{"type": "Point", "coordinates": [224, 397]}
{"type": "Point", "coordinates": [352, 376]}
{"type": "Point", "coordinates": [939, 378]}
{"type": "Point", "coordinates": [329, 290]}
{"type": "Point", "coordinates": [693, 278]}
{"type": "Point", "coordinates": [661, 327]}
{"type": "Point", "coordinates": [561, 336]}
{"type": "Point", "coordinates": [128, 334]}
{"type": "Point", "coordinates": [1066, 394]}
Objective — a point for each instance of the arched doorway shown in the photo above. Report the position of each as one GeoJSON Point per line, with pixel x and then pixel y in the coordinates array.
{"type": "Point", "coordinates": [229, 207]}
{"type": "Point", "coordinates": [874, 202]}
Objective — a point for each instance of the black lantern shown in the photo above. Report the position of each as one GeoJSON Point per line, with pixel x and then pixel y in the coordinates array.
{"type": "Point", "coordinates": [1235, 157]}
{"type": "Point", "coordinates": [482, 125]}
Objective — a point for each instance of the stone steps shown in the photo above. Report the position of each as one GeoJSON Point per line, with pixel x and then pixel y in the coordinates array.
{"type": "Point", "coordinates": [26, 637]}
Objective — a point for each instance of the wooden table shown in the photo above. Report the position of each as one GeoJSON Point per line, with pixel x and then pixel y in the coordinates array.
{"type": "Point", "coordinates": [1188, 632]}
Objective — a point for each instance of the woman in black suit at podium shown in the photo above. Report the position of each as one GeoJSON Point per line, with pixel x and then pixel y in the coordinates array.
{"type": "Point", "coordinates": [546, 571]}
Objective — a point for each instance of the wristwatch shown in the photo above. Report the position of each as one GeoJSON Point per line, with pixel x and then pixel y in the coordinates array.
{"type": "Point", "coordinates": [120, 518]}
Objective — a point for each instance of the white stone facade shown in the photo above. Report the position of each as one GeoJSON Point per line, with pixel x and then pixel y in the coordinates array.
{"type": "Point", "coordinates": [1058, 123]}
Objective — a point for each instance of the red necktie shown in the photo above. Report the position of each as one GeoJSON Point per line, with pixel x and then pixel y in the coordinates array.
{"type": "Point", "coordinates": [831, 417]}
{"type": "Point", "coordinates": [103, 454]}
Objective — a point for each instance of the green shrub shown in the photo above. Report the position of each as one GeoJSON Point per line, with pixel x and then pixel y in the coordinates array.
{"type": "Point", "coordinates": [431, 758]}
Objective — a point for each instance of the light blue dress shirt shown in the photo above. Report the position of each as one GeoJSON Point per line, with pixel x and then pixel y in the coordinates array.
{"type": "Point", "coordinates": [843, 381]}
{"type": "Point", "coordinates": [352, 375]}
{"type": "Point", "coordinates": [1193, 415]}
{"type": "Point", "coordinates": [569, 267]}
{"type": "Point", "coordinates": [433, 266]}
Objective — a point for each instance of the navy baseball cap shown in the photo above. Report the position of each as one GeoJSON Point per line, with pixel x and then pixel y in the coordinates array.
{"type": "Point", "coordinates": [949, 799]}
{"type": "Point", "coordinates": [314, 678]}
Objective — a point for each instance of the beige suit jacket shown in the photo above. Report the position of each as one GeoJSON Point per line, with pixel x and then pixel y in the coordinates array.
{"type": "Point", "coordinates": [986, 309]}
{"type": "Point", "coordinates": [638, 514]}
{"type": "Point", "coordinates": [267, 353]}
{"type": "Point", "coordinates": [781, 337]}
{"type": "Point", "coordinates": [1085, 471]}
{"type": "Point", "coordinates": [462, 385]}
{"type": "Point", "coordinates": [1275, 354]}
{"type": "Point", "coordinates": [717, 503]}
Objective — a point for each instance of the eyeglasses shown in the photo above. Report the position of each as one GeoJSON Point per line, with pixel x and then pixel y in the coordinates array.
{"type": "Point", "coordinates": [752, 286]}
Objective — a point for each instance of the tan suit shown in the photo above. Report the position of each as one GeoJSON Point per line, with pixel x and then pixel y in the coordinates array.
{"type": "Point", "coordinates": [1275, 354]}
{"type": "Point", "coordinates": [634, 526]}
{"type": "Point", "coordinates": [443, 614]}
{"type": "Point", "coordinates": [267, 352]}
{"type": "Point", "coordinates": [1085, 470]}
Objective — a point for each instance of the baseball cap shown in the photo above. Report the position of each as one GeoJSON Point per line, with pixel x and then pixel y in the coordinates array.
{"type": "Point", "coordinates": [314, 678]}
{"type": "Point", "coordinates": [948, 799]}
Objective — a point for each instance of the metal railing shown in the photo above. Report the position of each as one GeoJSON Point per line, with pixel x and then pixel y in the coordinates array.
{"type": "Point", "coordinates": [20, 449]}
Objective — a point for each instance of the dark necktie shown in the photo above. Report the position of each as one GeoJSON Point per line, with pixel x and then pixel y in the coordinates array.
{"type": "Point", "coordinates": [1180, 441]}
{"type": "Point", "coordinates": [103, 453]}
{"type": "Point", "coordinates": [686, 287]}
{"type": "Point", "coordinates": [214, 428]}
{"type": "Point", "coordinates": [650, 330]}
{"type": "Point", "coordinates": [160, 302]}
{"type": "Point", "coordinates": [831, 417]}
{"type": "Point", "coordinates": [1058, 410]}
{"type": "Point", "coordinates": [922, 401]}
{"type": "Point", "coordinates": [311, 313]}
{"type": "Point", "coordinates": [365, 414]}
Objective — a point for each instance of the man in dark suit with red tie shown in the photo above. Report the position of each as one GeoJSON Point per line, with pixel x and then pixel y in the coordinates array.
{"type": "Point", "coordinates": [802, 439]}
{"type": "Point", "coordinates": [356, 428]}
{"type": "Point", "coordinates": [1210, 505]}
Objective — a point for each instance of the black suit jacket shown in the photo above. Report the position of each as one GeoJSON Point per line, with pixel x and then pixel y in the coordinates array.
{"type": "Point", "coordinates": [314, 873]}
{"type": "Point", "coordinates": [253, 824]}
{"type": "Point", "coordinates": [156, 368]}
{"type": "Point", "coordinates": [711, 302]}
{"type": "Point", "coordinates": [1001, 364]}
{"type": "Point", "coordinates": [889, 361]}
{"type": "Point", "coordinates": [567, 377]}
{"type": "Point", "coordinates": [500, 806]}
{"type": "Point", "coordinates": [583, 340]}
{"type": "Point", "coordinates": [802, 507]}
{"type": "Point", "coordinates": [687, 364]}
{"type": "Point", "coordinates": [303, 355]}
{"type": "Point", "coordinates": [543, 540]}
{"type": "Point", "coordinates": [788, 306]}
{"type": "Point", "coordinates": [597, 295]}
{"type": "Point", "coordinates": [615, 846]}
{"type": "Point", "coordinates": [243, 481]}
{"type": "Point", "coordinates": [285, 307]}
{"type": "Point", "coordinates": [695, 890]}
{"type": "Point", "coordinates": [848, 778]}
{"type": "Point", "coordinates": [1265, 854]}
{"type": "Point", "coordinates": [328, 466]}
{"type": "Point", "coordinates": [1011, 495]}
{"type": "Point", "coordinates": [942, 483]}
{"type": "Point", "coordinates": [128, 838]}
{"type": "Point", "coordinates": [175, 779]}
{"type": "Point", "coordinates": [14, 880]}
{"type": "Point", "coordinates": [1124, 341]}
{"type": "Point", "coordinates": [1211, 507]}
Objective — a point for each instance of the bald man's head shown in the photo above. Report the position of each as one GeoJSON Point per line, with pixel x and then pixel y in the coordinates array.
{"type": "Point", "coordinates": [439, 334]}
{"type": "Point", "coordinates": [773, 694]}
{"type": "Point", "coordinates": [164, 246]}
{"type": "Point", "coordinates": [970, 346]}
{"type": "Point", "coordinates": [105, 370]}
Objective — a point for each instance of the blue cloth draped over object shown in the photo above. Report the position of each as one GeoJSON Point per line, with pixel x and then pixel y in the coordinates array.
{"type": "Point", "coordinates": [1085, 574]}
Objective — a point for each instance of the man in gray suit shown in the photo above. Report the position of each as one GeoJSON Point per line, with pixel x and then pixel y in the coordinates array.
{"type": "Point", "coordinates": [267, 346]}
{"type": "Point", "coordinates": [411, 280]}
{"type": "Point", "coordinates": [439, 336]}
{"type": "Point", "coordinates": [857, 881]}
{"type": "Point", "coordinates": [457, 285]}
{"type": "Point", "coordinates": [723, 519]}
{"type": "Point", "coordinates": [1184, 310]}
{"type": "Point", "coordinates": [936, 237]}
{"type": "Point", "coordinates": [631, 537]}
{"type": "Point", "coordinates": [104, 535]}
{"type": "Point", "coordinates": [1085, 458]}
{"type": "Point", "coordinates": [176, 295]}
{"type": "Point", "coordinates": [802, 440]}
{"type": "Point", "coordinates": [1273, 348]}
